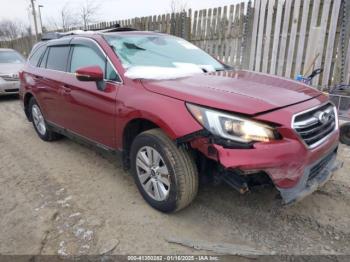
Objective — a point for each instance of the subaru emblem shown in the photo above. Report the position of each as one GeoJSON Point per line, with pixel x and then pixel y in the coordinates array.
{"type": "Point", "coordinates": [324, 117]}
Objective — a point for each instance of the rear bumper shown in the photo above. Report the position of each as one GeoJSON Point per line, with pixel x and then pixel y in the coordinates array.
{"type": "Point", "coordinates": [9, 87]}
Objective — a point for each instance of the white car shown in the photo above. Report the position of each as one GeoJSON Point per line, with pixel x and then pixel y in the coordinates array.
{"type": "Point", "coordinates": [11, 63]}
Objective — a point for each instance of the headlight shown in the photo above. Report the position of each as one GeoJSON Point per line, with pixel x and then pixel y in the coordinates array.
{"type": "Point", "coordinates": [230, 126]}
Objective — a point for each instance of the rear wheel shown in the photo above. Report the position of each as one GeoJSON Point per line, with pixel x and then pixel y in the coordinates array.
{"type": "Point", "coordinates": [345, 134]}
{"type": "Point", "coordinates": [39, 123]}
{"type": "Point", "coordinates": [165, 174]}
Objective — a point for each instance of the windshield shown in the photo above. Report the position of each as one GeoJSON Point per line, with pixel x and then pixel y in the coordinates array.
{"type": "Point", "coordinates": [160, 51]}
{"type": "Point", "coordinates": [10, 57]}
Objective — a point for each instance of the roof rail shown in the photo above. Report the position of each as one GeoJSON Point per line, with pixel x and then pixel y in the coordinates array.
{"type": "Point", "coordinates": [115, 28]}
{"type": "Point", "coordinates": [119, 29]}
{"type": "Point", "coordinates": [50, 36]}
{"type": "Point", "coordinates": [57, 35]}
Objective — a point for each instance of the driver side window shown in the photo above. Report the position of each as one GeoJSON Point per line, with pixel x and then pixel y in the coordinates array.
{"type": "Point", "coordinates": [84, 56]}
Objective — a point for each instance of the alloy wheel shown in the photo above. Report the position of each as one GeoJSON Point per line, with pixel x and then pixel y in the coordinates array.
{"type": "Point", "coordinates": [153, 173]}
{"type": "Point", "coordinates": [39, 120]}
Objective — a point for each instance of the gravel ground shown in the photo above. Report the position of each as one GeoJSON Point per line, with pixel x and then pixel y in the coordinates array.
{"type": "Point", "coordinates": [66, 198]}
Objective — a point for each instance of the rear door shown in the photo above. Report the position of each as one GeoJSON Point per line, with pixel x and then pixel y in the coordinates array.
{"type": "Point", "coordinates": [91, 111]}
{"type": "Point", "coordinates": [50, 79]}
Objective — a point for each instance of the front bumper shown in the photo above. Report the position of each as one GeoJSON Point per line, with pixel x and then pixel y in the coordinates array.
{"type": "Point", "coordinates": [288, 161]}
{"type": "Point", "coordinates": [294, 170]}
{"type": "Point", "coordinates": [9, 87]}
{"type": "Point", "coordinates": [314, 177]}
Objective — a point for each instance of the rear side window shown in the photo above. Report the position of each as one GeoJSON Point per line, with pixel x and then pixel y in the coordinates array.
{"type": "Point", "coordinates": [35, 57]}
{"type": "Point", "coordinates": [57, 58]}
{"type": "Point", "coordinates": [44, 60]}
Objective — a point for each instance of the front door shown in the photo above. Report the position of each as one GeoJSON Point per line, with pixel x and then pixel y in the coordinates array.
{"type": "Point", "coordinates": [91, 112]}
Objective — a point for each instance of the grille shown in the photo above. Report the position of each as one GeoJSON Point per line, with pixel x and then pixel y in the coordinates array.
{"type": "Point", "coordinates": [315, 170]}
{"type": "Point", "coordinates": [12, 90]}
{"type": "Point", "coordinates": [313, 126]}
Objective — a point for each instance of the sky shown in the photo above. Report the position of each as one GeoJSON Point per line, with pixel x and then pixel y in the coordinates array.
{"type": "Point", "coordinates": [109, 9]}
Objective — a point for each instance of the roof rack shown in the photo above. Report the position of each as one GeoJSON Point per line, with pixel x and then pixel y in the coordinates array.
{"type": "Point", "coordinates": [115, 28]}
{"type": "Point", "coordinates": [119, 29]}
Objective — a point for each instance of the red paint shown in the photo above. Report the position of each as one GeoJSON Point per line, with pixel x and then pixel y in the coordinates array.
{"type": "Point", "coordinates": [102, 115]}
{"type": "Point", "coordinates": [90, 73]}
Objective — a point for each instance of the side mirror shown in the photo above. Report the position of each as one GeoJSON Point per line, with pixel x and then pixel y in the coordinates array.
{"type": "Point", "coordinates": [90, 73]}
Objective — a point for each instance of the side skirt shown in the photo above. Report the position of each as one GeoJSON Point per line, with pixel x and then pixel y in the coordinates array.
{"type": "Point", "coordinates": [81, 139]}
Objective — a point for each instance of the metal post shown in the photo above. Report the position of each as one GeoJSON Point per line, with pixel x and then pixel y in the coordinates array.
{"type": "Point", "coordinates": [34, 16]}
{"type": "Point", "coordinates": [41, 21]}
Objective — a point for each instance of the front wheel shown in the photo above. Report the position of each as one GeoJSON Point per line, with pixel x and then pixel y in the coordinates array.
{"type": "Point", "coordinates": [165, 174]}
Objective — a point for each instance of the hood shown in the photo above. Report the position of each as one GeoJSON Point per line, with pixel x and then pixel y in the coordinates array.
{"type": "Point", "coordinates": [6, 69]}
{"type": "Point", "coordinates": [236, 91]}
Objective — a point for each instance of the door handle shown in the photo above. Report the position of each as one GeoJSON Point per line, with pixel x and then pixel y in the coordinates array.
{"type": "Point", "coordinates": [38, 77]}
{"type": "Point", "coordinates": [66, 88]}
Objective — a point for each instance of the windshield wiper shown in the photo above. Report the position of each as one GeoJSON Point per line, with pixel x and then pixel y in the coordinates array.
{"type": "Point", "coordinates": [133, 46]}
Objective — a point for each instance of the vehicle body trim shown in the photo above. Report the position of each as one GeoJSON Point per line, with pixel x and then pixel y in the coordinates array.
{"type": "Point", "coordinates": [71, 134]}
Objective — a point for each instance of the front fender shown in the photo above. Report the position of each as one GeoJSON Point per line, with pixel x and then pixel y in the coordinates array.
{"type": "Point", "coordinates": [170, 114]}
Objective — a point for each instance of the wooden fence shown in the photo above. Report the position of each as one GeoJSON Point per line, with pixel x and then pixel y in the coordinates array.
{"type": "Point", "coordinates": [22, 45]}
{"type": "Point", "coordinates": [283, 37]}
{"type": "Point", "coordinates": [294, 36]}
{"type": "Point", "coordinates": [224, 32]}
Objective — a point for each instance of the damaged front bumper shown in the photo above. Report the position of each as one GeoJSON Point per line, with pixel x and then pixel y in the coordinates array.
{"type": "Point", "coordinates": [295, 170]}
{"type": "Point", "coordinates": [314, 177]}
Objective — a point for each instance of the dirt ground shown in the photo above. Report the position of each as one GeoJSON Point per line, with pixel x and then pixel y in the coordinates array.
{"type": "Point", "coordinates": [66, 198]}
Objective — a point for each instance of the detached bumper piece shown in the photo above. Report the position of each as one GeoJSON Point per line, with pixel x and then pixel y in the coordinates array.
{"type": "Point", "coordinates": [236, 181]}
{"type": "Point", "coordinates": [314, 177]}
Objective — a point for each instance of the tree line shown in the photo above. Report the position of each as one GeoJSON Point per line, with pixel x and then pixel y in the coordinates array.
{"type": "Point", "coordinates": [68, 16]}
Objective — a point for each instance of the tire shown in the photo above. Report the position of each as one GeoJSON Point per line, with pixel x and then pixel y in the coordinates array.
{"type": "Point", "coordinates": [182, 172]}
{"type": "Point", "coordinates": [345, 134]}
{"type": "Point", "coordinates": [42, 129]}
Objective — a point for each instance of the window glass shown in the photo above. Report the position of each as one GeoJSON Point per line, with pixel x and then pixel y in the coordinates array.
{"type": "Point", "coordinates": [43, 61]}
{"type": "Point", "coordinates": [57, 59]}
{"type": "Point", "coordinates": [35, 57]}
{"type": "Point", "coordinates": [162, 51]}
{"type": "Point", "coordinates": [10, 57]}
{"type": "Point", "coordinates": [111, 74]}
{"type": "Point", "coordinates": [85, 56]}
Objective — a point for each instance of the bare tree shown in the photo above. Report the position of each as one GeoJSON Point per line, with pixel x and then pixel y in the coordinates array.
{"type": "Point", "coordinates": [88, 12]}
{"type": "Point", "coordinates": [11, 29]}
{"type": "Point", "coordinates": [178, 6]}
{"type": "Point", "coordinates": [67, 17]}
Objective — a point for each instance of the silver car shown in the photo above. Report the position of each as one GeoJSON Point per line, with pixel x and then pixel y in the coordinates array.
{"type": "Point", "coordinates": [11, 63]}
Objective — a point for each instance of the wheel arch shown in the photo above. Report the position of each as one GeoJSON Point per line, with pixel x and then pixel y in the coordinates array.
{"type": "Point", "coordinates": [26, 99]}
{"type": "Point", "coordinates": [136, 126]}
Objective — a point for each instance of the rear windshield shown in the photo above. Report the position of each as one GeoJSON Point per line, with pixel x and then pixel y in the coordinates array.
{"type": "Point", "coordinates": [10, 57]}
{"type": "Point", "coordinates": [160, 51]}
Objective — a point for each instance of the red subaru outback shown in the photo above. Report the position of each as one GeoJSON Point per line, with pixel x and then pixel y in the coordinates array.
{"type": "Point", "coordinates": [177, 115]}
